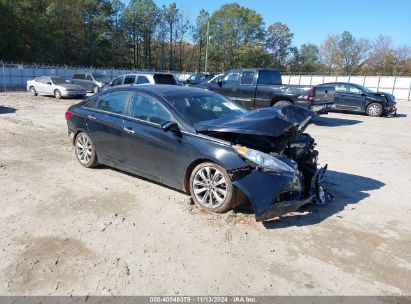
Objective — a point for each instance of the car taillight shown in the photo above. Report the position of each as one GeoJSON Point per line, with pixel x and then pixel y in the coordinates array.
{"type": "Point", "coordinates": [68, 115]}
{"type": "Point", "coordinates": [312, 93]}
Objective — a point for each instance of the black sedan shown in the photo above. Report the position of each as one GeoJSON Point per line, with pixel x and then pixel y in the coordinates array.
{"type": "Point", "coordinates": [354, 97]}
{"type": "Point", "coordinates": [203, 144]}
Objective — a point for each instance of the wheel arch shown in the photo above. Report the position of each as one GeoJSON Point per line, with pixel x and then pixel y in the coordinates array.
{"type": "Point", "coordinates": [76, 133]}
{"type": "Point", "coordinates": [279, 98]}
{"type": "Point", "coordinates": [190, 168]}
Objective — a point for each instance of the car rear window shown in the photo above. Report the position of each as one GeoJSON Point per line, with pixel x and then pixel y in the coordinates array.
{"type": "Point", "coordinates": [164, 79]}
{"type": "Point", "coordinates": [112, 102]}
{"type": "Point", "coordinates": [129, 79]}
{"type": "Point", "coordinates": [269, 77]}
{"type": "Point", "coordinates": [142, 80]}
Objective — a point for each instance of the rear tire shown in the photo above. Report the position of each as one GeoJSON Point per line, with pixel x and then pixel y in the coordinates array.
{"type": "Point", "coordinates": [281, 103]}
{"type": "Point", "coordinates": [57, 94]}
{"type": "Point", "coordinates": [85, 150]}
{"type": "Point", "coordinates": [33, 91]}
{"type": "Point", "coordinates": [374, 109]}
{"type": "Point", "coordinates": [211, 188]}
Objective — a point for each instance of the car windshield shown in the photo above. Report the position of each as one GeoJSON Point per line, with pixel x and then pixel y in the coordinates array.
{"type": "Point", "coordinates": [366, 90]}
{"type": "Point", "coordinates": [198, 108]}
{"type": "Point", "coordinates": [100, 78]}
{"type": "Point", "coordinates": [58, 80]}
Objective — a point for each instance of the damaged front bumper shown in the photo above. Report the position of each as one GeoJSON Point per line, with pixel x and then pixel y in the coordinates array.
{"type": "Point", "coordinates": [265, 190]}
{"type": "Point", "coordinates": [391, 110]}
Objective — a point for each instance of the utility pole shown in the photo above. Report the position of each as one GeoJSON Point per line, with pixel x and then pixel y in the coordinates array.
{"type": "Point", "coordinates": [208, 41]}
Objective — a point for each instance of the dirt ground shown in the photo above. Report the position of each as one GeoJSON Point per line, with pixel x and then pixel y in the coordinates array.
{"type": "Point", "coordinates": [67, 230]}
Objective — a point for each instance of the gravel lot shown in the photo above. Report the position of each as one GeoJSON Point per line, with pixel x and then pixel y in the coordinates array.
{"type": "Point", "coordinates": [69, 230]}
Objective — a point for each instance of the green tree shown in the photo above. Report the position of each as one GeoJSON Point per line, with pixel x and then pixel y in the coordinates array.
{"type": "Point", "coordinates": [352, 52]}
{"type": "Point", "coordinates": [233, 26]}
{"type": "Point", "coordinates": [278, 42]}
{"type": "Point", "coordinates": [170, 16]}
{"type": "Point", "coordinates": [199, 34]}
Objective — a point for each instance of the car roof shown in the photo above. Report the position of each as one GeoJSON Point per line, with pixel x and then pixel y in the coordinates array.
{"type": "Point", "coordinates": [145, 74]}
{"type": "Point", "coordinates": [162, 90]}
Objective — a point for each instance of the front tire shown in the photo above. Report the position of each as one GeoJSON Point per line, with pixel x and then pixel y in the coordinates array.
{"type": "Point", "coordinates": [85, 150]}
{"type": "Point", "coordinates": [57, 94]}
{"type": "Point", "coordinates": [211, 188]}
{"type": "Point", "coordinates": [282, 103]}
{"type": "Point", "coordinates": [374, 109]}
{"type": "Point", "coordinates": [33, 91]}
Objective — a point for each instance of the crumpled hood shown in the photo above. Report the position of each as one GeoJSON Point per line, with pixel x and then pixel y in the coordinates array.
{"type": "Point", "coordinates": [389, 97]}
{"type": "Point", "coordinates": [273, 122]}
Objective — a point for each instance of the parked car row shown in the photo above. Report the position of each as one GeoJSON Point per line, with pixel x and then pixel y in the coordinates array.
{"type": "Point", "coordinates": [250, 88]}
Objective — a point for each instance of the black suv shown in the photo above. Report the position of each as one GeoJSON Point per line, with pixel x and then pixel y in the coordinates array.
{"type": "Point", "coordinates": [356, 98]}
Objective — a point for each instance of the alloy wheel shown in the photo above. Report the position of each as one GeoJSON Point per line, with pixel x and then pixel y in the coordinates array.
{"type": "Point", "coordinates": [84, 149]}
{"type": "Point", "coordinates": [374, 110]}
{"type": "Point", "coordinates": [210, 187]}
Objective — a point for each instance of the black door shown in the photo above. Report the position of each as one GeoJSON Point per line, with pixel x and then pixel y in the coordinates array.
{"type": "Point", "coordinates": [349, 97]}
{"type": "Point", "coordinates": [246, 90]}
{"type": "Point", "coordinates": [148, 148]}
{"type": "Point", "coordinates": [228, 85]}
{"type": "Point", "coordinates": [105, 125]}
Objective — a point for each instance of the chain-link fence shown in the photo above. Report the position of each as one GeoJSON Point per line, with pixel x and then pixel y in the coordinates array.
{"type": "Point", "coordinates": [13, 76]}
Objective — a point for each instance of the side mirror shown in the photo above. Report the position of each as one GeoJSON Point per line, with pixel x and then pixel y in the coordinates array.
{"type": "Point", "coordinates": [48, 82]}
{"type": "Point", "coordinates": [170, 126]}
{"type": "Point", "coordinates": [220, 82]}
{"type": "Point", "coordinates": [188, 80]}
{"type": "Point", "coordinates": [363, 94]}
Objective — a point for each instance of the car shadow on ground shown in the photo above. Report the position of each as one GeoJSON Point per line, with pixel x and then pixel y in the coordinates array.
{"type": "Point", "coordinates": [325, 121]}
{"type": "Point", "coordinates": [347, 189]}
{"type": "Point", "coordinates": [7, 110]}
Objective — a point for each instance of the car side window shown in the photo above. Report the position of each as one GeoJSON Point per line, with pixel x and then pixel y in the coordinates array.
{"type": "Point", "coordinates": [142, 79]}
{"type": "Point", "coordinates": [129, 79]}
{"type": "Point", "coordinates": [113, 102]}
{"type": "Point", "coordinates": [117, 81]}
{"type": "Point", "coordinates": [354, 90]}
{"type": "Point", "coordinates": [41, 80]}
{"type": "Point", "coordinates": [78, 76]}
{"type": "Point", "coordinates": [247, 77]}
{"type": "Point", "coordinates": [148, 109]}
{"type": "Point", "coordinates": [231, 78]}
{"type": "Point", "coordinates": [341, 88]}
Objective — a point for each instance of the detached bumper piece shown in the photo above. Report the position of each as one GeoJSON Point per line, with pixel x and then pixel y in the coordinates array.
{"type": "Point", "coordinates": [282, 208]}
{"type": "Point", "coordinates": [323, 109]}
{"type": "Point", "coordinates": [265, 199]}
{"type": "Point", "coordinates": [391, 111]}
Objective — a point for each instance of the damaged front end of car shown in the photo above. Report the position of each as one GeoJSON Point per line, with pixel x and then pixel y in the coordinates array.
{"type": "Point", "coordinates": [281, 174]}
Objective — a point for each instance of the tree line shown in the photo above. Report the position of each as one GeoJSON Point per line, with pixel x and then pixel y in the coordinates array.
{"type": "Point", "coordinates": [142, 35]}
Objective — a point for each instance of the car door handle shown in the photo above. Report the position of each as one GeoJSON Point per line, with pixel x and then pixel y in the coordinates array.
{"type": "Point", "coordinates": [91, 117]}
{"type": "Point", "coordinates": [128, 130]}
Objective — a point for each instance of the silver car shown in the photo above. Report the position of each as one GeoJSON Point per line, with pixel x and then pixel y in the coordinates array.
{"type": "Point", "coordinates": [55, 86]}
{"type": "Point", "coordinates": [92, 82]}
